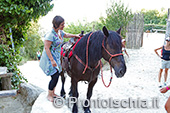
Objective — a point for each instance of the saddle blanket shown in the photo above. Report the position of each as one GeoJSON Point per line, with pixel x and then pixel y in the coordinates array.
{"type": "Point", "coordinates": [71, 51]}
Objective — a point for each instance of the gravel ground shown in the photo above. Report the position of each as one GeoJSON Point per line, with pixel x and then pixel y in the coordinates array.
{"type": "Point", "coordinates": [140, 82]}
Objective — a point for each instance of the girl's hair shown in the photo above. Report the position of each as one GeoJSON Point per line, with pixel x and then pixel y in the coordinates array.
{"type": "Point", "coordinates": [57, 20]}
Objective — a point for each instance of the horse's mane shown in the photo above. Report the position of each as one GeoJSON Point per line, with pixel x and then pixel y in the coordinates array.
{"type": "Point", "coordinates": [95, 46]}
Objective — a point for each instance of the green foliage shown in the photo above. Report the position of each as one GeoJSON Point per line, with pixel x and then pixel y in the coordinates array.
{"type": "Point", "coordinates": [151, 16]}
{"type": "Point", "coordinates": [33, 43]}
{"type": "Point", "coordinates": [153, 19]}
{"type": "Point", "coordinates": [77, 28]}
{"type": "Point", "coordinates": [117, 16]}
{"type": "Point", "coordinates": [9, 60]}
{"type": "Point", "coordinates": [17, 15]}
{"type": "Point", "coordinates": [163, 18]}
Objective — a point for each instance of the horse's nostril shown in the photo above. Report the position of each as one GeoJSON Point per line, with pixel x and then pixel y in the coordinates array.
{"type": "Point", "coordinates": [121, 71]}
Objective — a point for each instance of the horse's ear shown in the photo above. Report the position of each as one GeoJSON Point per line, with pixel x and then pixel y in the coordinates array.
{"type": "Point", "coordinates": [119, 30]}
{"type": "Point", "coordinates": [105, 31]}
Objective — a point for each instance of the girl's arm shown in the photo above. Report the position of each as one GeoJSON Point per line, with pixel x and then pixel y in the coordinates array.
{"type": "Point", "coordinates": [47, 45]}
{"type": "Point", "coordinates": [71, 35]}
{"type": "Point", "coordinates": [126, 53]}
{"type": "Point", "coordinates": [157, 50]}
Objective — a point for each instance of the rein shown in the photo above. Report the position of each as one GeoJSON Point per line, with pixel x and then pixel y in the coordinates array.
{"type": "Point", "coordinates": [87, 53]}
{"type": "Point", "coordinates": [102, 75]}
{"type": "Point", "coordinates": [86, 65]}
{"type": "Point", "coordinates": [111, 56]}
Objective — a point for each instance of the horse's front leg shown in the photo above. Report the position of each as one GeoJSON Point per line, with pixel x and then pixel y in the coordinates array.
{"type": "Point", "coordinates": [89, 94]}
{"type": "Point", "coordinates": [62, 92]}
{"type": "Point", "coordinates": [74, 86]}
{"type": "Point", "coordinates": [71, 91]}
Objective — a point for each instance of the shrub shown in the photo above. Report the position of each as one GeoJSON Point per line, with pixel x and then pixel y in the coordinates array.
{"type": "Point", "coordinates": [10, 60]}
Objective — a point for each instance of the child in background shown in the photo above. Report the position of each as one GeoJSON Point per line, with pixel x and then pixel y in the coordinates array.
{"type": "Point", "coordinates": [124, 47]}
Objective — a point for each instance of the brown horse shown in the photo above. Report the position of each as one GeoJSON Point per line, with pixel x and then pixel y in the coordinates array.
{"type": "Point", "coordinates": [84, 64]}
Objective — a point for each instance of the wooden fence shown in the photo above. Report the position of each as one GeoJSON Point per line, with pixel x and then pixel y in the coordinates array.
{"type": "Point", "coordinates": [134, 35]}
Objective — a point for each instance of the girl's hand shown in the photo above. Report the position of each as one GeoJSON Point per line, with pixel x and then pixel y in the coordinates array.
{"type": "Point", "coordinates": [53, 62]}
{"type": "Point", "coordinates": [77, 36]}
{"type": "Point", "coordinates": [163, 90]}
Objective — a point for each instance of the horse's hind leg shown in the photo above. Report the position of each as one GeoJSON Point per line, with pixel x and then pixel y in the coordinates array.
{"type": "Point", "coordinates": [89, 94]}
{"type": "Point", "coordinates": [62, 92]}
{"type": "Point", "coordinates": [74, 85]}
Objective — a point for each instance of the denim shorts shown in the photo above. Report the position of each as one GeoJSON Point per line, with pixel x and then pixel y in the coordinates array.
{"type": "Point", "coordinates": [165, 64]}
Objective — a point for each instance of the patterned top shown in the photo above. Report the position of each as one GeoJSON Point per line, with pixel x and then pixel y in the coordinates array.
{"type": "Point", "coordinates": [45, 63]}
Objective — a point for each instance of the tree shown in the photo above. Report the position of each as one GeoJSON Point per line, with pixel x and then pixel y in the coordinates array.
{"type": "Point", "coordinates": [117, 16]}
{"type": "Point", "coordinates": [151, 16]}
{"type": "Point", "coordinates": [153, 19]}
{"type": "Point", "coordinates": [163, 18]}
{"type": "Point", "coordinates": [33, 43]}
{"type": "Point", "coordinates": [17, 15]}
{"type": "Point", "coordinates": [76, 28]}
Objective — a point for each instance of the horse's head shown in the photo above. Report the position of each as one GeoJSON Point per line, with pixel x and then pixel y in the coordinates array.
{"type": "Point", "coordinates": [112, 51]}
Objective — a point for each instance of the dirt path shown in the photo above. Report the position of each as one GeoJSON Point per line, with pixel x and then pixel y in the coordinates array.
{"type": "Point", "coordinates": [139, 83]}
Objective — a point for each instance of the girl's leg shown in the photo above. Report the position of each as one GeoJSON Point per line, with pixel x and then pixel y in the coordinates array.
{"type": "Point", "coordinates": [54, 95]}
{"type": "Point", "coordinates": [50, 96]}
{"type": "Point", "coordinates": [165, 75]}
{"type": "Point", "coordinates": [159, 77]}
{"type": "Point", "coordinates": [52, 85]}
{"type": "Point", "coordinates": [167, 105]}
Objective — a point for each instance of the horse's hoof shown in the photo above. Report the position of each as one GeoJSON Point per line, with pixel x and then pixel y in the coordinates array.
{"type": "Point", "coordinates": [74, 109]}
{"type": "Point", "coordinates": [70, 95]}
{"type": "Point", "coordinates": [87, 111]}
{"type": "Point", "coordinates": [64, 96]}
{"type": "Point", "coordinates": [74, 112]}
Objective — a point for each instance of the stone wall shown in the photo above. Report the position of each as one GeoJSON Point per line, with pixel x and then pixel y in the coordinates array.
{"type": "Point", "coordinates": [23, 102]}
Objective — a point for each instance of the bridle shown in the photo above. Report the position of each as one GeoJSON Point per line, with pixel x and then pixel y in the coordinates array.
{"type": "Point", "coordinates": [111, 56]}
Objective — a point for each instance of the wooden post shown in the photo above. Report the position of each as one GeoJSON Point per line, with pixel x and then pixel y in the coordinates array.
{"type": "Point", "coordinates": [134, 35]}
{"type": "Point", "coordinates": [6, 81]}
{"type": "Point", "coordinates": [168, 25]}
{"type": "Point", "coordinates": [167, 33]}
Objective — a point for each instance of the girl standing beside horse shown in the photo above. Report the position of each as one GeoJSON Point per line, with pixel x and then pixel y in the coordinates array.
{"type": "Point", "coordinates": [50, 60]}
